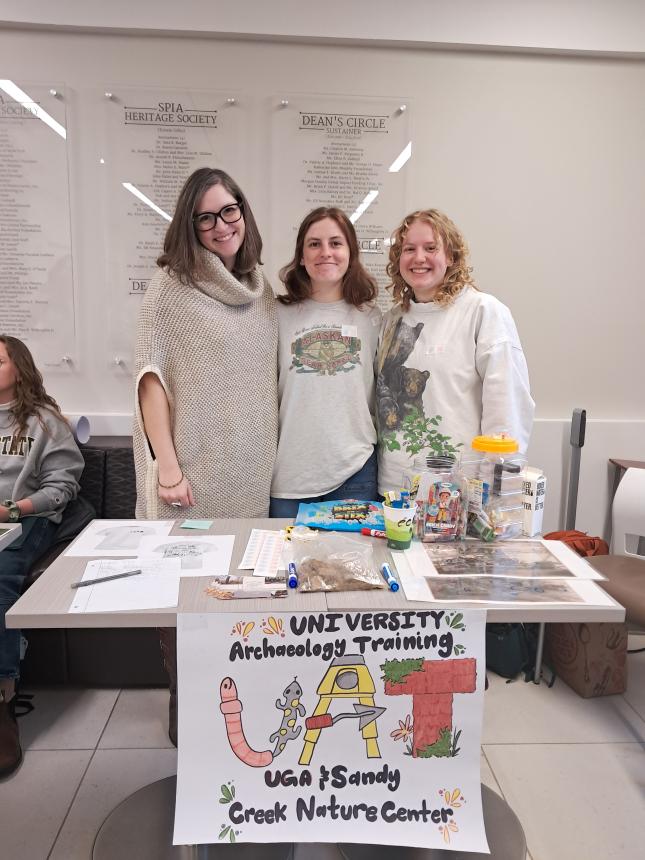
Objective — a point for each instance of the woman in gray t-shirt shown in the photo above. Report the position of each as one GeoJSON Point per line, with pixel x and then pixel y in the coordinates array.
{"type": "Point", "coordinates": [328, 334]}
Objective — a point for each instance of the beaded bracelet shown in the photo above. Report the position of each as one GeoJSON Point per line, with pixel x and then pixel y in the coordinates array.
{"type": "Point", "coordinates": [170, 486]}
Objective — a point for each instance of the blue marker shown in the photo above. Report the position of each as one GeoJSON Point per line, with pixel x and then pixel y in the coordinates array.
{"type": "Point", "coordinates": [388, 576]}
{"type": "Point", "coordinates": [292, 581]}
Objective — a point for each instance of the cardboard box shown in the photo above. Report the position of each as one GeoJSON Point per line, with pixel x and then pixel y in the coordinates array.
{"type": "Point", "coordinates": [590, 658]}
{"type": "Point", "coordinates": [534, 489]}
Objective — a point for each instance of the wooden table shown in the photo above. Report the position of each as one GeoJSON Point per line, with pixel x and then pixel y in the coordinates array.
{"type": "Point", "coordinates": [47, 602]}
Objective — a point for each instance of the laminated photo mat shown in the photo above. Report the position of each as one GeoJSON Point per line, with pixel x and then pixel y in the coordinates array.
{"type": "Point", "coordinates": [521, 559]}
{"type": "Point", "coordinates": [496, 591]}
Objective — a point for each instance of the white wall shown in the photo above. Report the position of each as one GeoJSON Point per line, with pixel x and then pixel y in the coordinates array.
{"type": "Point", "coordinates": [537, 158]}
{"type": "Point", "coordinates": [574, 25]}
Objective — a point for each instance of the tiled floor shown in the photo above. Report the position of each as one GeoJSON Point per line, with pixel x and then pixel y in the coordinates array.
{"type": "Point", "coordinates": [573, 769]}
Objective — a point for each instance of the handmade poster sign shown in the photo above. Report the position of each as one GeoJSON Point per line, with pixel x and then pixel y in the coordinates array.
{"type": "Point", "coordinates": [331, 727]}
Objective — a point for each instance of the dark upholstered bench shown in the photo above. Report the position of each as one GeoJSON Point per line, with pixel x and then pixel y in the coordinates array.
{"type": "Point", "coordinates": [98, 657]}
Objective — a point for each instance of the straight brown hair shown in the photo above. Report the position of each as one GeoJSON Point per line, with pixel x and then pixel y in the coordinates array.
{"type": "Point", "coordinates": [358, 285]}
{"type": "Point", "coordinates": [181, 245]}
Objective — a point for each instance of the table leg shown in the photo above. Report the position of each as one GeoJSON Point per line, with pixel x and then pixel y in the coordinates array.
{"type": "Point", "coordinates": [537, 671]}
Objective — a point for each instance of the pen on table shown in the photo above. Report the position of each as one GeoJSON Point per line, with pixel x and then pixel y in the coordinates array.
{"type": "Point", "coordinates": [105, 578]}
{"type": "Point", "coordinates": [292, 580]}
{"type": "Point", "coordinates": [373, 533]}
{"type": "Point", "coordinates": [389, 577]}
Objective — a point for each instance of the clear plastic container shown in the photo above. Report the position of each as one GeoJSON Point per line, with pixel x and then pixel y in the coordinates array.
{"type": "Point", "coordinates": [495, 488]}
{"type": "Point", "coordinates": [441, 499]}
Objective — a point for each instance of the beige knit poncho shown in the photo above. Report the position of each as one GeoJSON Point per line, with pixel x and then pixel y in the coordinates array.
{"type": "Point", "coordinates": [214, 348]}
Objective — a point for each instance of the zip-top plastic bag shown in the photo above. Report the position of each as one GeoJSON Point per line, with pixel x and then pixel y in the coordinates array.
{"type": "Point", "coordinates": [333, 562]}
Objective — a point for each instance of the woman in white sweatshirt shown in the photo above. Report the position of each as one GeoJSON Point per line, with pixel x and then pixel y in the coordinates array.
{"type": "Point", "coordinates": [450, 356]}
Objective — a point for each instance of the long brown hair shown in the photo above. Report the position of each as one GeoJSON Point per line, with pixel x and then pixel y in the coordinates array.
{"type": "Point", "coordinates": [458, 273]}
{"type": "Point", "coordinates": [30, 389]}
{"type": "Point", "coordinates": [358, 285]}
{"type": "Point", "coordinates": [181, 245]}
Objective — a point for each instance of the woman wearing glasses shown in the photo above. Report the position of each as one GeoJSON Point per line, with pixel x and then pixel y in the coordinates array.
{"type": "Point", "coordinates": [206, 391]}
{"type": "Point", "coordinates": [205, 433]}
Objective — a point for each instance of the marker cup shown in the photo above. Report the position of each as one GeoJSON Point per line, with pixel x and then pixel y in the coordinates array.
{"type": "Point", "coordinates": [398, 526]}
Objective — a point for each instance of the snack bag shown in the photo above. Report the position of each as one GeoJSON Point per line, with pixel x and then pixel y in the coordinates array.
{"type": "Point", "coordinates": [343, 515]}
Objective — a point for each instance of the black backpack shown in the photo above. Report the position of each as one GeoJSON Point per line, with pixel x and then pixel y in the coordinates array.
{"type": "Point", "coordinates": [511, 649]}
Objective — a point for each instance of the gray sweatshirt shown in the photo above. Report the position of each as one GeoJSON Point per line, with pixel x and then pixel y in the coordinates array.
{"type": "Point", "coordinates": [44, 464]}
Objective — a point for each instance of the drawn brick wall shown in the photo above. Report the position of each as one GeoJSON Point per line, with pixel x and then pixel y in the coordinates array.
{"type": "Point", "coordinates": [432, 689]}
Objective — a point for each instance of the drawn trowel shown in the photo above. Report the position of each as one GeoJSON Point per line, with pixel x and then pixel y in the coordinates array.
{"type": "Point", "coordinates": [365, 713]}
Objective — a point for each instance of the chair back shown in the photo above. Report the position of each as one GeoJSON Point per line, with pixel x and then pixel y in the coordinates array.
{"type": "Point", "coordinates": [628, 515]}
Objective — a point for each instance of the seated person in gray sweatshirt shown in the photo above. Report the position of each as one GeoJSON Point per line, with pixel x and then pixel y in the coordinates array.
{"type": "Point", "coordinates": [40, 465]}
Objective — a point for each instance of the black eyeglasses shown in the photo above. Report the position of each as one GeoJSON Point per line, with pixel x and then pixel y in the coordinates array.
{"type": "Point", "coordinates": [229, 215]}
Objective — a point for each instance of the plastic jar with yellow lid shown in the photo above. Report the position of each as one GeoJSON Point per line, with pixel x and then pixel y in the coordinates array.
{"type": "Point", "coordinates": [494, 473]}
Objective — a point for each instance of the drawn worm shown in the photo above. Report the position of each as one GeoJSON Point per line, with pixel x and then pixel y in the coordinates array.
{"type": "Point", "coordinates": [231, 707]}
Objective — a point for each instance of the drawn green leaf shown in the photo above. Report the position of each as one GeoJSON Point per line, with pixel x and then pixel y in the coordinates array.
{"type": "Point", "coordinates": [396, 671]}
{"type": "Point", "coordinates": [226, 793]}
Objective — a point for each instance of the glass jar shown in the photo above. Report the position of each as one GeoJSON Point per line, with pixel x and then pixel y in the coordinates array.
{"type": "Point", "coordinates": [441, 500]}
{"type": "Point", "coordinates": [494, 476]}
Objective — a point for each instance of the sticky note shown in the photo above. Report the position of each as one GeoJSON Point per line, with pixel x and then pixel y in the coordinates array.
{"type": "Point", "coordinates": [196, 524]}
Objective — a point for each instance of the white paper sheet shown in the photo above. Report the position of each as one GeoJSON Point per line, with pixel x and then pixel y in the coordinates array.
{"type": "Point", "coordinates": [270, 555]}
{"type": "Point", "coordinates": [414, 583]}
{"type": "Point", "coordinates": [253, 547]}
{"type": "Point", "coordinates": [200, 555]}
{"type": "Point", "coordinates": [264, 552]}
{"type": "Point", "coordinates": [157, 587]}
{"type": "Point", "coordinates": [113, 538]}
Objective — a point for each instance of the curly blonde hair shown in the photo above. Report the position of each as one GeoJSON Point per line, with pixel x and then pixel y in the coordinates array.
{"type": "Point", "coordinates": [458, 273]}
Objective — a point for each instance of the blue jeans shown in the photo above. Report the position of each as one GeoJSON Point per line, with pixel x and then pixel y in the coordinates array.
{"type": "Point", "coordinates": [362, 485]}
{"type": "Point", "coordinates": [15, 563]}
